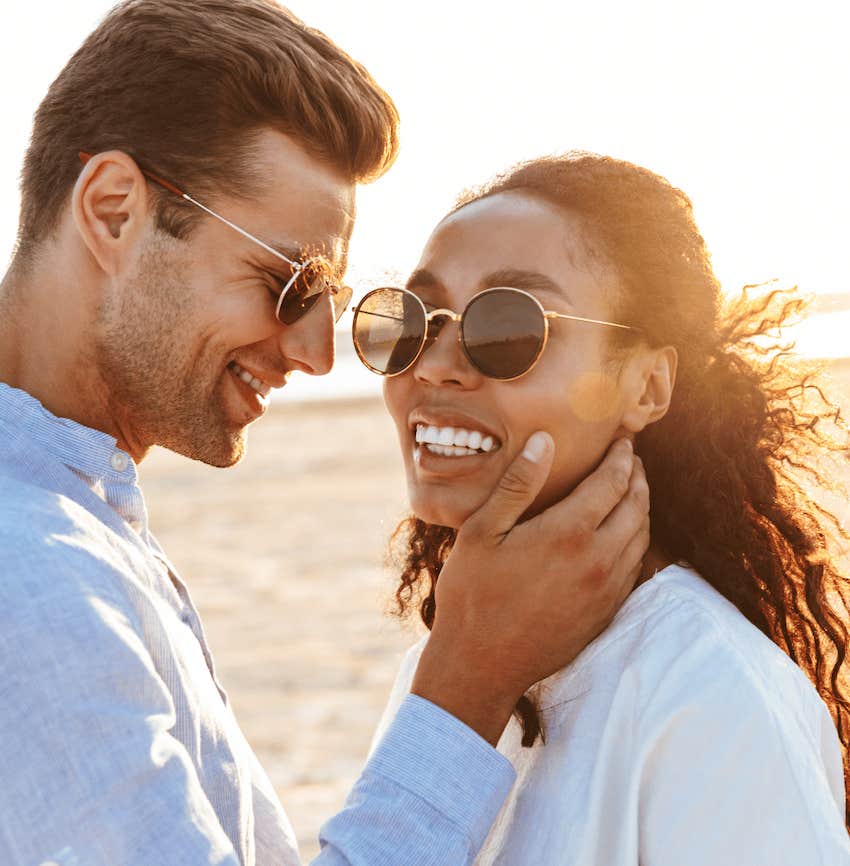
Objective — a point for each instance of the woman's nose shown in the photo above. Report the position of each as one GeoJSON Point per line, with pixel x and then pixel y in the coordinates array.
{"type": "Point", "coordinates": [443, 361]}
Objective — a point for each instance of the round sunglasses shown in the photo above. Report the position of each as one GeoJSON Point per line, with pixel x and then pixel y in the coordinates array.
{"type": "Point", "coordinates": [503, 331]}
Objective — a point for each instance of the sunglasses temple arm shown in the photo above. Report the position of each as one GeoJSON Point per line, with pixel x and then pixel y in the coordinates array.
{"type": "Point", "coordinates": [242, 232]}
{"type": "Point", "coordinates": [85, 157]}
{"type": "Point", "coordinates": [590, 321]}
{"type": "Point", "coordinates": [382, 316]}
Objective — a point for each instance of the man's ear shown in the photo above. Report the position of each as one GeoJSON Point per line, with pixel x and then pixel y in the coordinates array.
{"type": "Point", "coordinates": [653, 379]}
{"type": "Point", "coordinates": [110, 205]}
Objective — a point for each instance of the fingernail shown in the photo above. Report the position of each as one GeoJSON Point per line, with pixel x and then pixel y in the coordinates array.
{"type": "Point", "coordinates": [536, 447]}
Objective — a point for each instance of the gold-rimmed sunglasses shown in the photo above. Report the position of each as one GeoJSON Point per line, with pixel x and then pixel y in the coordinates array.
{"type": "Point", "coordinates": [307, 282]}
{"type": "Point", "coordinates": [503, 330]}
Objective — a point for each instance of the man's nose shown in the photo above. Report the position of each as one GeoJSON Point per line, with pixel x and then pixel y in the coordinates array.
{"type": "Point", "coordinates": [308, 344]}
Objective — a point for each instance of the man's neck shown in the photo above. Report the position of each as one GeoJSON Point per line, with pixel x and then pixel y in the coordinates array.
{"type": "Point", "coordinates": [47, 340]}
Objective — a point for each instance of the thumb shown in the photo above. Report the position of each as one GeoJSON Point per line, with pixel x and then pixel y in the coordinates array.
{"type": "Point", "coordinates": [517, 488]}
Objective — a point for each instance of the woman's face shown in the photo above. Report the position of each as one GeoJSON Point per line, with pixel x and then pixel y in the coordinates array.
{"type": "Point", "coordinates": [574, 392]}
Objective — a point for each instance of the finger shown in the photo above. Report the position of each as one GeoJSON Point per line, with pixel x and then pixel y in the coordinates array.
{"type": "Point", "coordinates": [597, 496]}
{"type": "Point", "coordinates": [516, 490]}
{"type": "Point", "coordinates": [629, 515]}
{"type": "Point", "coordinates": [630, 564]}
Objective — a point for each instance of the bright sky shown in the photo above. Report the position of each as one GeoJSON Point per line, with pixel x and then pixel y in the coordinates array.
{"type": "Point", "coordinates": [743, 104]}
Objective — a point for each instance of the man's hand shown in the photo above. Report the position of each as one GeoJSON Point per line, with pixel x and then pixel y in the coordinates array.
{"type": "Point", "coordinates": [517, 602]}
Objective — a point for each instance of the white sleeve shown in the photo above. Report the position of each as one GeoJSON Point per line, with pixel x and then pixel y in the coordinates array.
{"type": "Point", "coordinates": [729, 778]}
{"type": "Point", "coordinates": [399, 691]}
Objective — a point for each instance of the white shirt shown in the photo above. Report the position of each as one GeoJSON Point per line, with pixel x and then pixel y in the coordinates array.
{"type": "Point", "coordinates": [681, 736]}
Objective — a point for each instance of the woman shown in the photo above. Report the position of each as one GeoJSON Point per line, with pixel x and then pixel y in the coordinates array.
{"type": "Point", "coordinates": [684, 734]}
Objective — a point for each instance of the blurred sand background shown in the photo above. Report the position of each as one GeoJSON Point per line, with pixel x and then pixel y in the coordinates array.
{"type": "Point", "coordinates": [283, 555]}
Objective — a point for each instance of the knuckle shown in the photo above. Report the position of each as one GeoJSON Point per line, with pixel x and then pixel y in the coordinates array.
{"type": "Point", "coordinates": [513, 484]}
{"type": "Point", "coordinates": [471, 533]}
{"type": "Point", "coordinates": [599, 571]}
{"type": "Point", "coordinates": [640, 491]}
{"type": "Point", "coordinates": [579, 533]}
{"type": "Point", "coordinates": [620, 478]}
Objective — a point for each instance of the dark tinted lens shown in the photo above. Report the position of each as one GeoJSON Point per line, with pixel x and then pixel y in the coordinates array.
{"type": "Point", "coordinates": [341, 298]}
{"type": "Point", "coordinates": [503, 333]}
{"type": "Point", "coordinates": [309, 286]}
{"type": "Point", "coordinates": [389, 326]}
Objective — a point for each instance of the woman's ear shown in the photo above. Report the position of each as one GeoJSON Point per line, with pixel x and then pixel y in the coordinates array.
{"type": "Point", "coordinates": [651, 382]}
{"type": "Point", "coordinates": [110, 203]}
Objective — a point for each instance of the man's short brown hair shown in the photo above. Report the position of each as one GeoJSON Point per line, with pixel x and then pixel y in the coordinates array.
{"type": "Point", "coordinates": [181, 85]}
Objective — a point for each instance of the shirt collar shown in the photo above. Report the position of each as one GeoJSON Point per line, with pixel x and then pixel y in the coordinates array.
{"type": "Point", "coordinates": [82, 449]}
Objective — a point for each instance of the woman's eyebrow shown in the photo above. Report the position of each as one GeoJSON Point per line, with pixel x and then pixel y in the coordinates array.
{"type": "Point", "coordinates": [531, 281]}
{"type": "Point", "coordinates": [422, 279]}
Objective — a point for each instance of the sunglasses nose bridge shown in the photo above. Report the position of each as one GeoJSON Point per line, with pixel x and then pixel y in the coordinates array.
{"type": "Point", "coordinates": [435, 321]}
{"type": "Point", "coordinates": [447, 361]}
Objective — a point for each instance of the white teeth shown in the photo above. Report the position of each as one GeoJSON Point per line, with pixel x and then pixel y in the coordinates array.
{"type": "Point", "coordinates": [449, 450]}
{"type": "Point", "coordinates": [257, 384]}
{"type": "Point", "coordinates": [454, 441]}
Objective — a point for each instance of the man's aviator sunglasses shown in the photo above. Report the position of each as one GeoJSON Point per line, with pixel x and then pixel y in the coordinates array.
{"type": "Point", "coordinates": [503, 330]}
{"type": "Point", "coordinates": [308, 281]}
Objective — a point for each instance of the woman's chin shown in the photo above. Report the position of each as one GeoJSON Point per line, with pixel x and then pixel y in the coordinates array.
{"type": "Point", "coordinates": [442, 511]}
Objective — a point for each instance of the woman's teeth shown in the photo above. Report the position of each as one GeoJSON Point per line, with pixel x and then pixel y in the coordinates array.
{"type": "Point", "coordinates": [454, 441]}
{"type": "Point", "coordinates": [257, 384]}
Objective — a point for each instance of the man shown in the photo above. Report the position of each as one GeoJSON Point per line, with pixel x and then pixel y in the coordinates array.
{"type": "Point", "coordinates": [135, 315]}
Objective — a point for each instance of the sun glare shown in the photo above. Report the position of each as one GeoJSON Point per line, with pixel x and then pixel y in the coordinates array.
{"type": "Point", "coordinates": [738, 104]}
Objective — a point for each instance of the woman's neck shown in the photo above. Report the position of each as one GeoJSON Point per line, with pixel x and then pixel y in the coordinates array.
{"type": "Point", "coordinates": [654, 561]}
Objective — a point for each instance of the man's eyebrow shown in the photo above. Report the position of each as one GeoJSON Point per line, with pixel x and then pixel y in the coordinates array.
{"type": "Point", "coordinates": [531, 281]}
{"type": "Point", "coordinates": [299, 253]}
{"type": "Point", "coordinates": [290, 250]}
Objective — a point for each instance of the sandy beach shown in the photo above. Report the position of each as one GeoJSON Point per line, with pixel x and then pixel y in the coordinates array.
{"type": "Point", "coordinates": [283, 555]}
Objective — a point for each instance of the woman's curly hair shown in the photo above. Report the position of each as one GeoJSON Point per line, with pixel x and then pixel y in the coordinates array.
{"type": "Point", "coordinates": [742, 466]}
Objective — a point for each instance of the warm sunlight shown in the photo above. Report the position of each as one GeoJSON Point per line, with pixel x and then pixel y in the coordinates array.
{"type": "Point", "coordinates": [739, 104]}
{"type": "Point", "coordinates": [554, 566]}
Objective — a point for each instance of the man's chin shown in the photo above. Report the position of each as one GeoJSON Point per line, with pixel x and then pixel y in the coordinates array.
{"type": "Point", "coordinates": [223, 453]}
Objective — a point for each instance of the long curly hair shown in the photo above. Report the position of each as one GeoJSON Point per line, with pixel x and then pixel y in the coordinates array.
{"type": "Point", "coordinates": [740, 467]}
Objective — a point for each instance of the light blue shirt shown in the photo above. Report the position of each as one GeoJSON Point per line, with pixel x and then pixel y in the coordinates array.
{"type": "Point", "coordinates": [117, 743]}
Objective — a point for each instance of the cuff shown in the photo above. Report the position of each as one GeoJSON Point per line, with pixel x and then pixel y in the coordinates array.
{"type": "Point", "coordinates": [439, 759]}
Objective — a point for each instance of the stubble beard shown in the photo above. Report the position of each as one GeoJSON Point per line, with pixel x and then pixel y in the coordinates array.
{"type": "Point", "coordinates": [156, 378]}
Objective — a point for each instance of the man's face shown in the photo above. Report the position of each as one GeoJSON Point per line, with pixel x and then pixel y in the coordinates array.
{"type": "Point", "coordinates": [178, 335]}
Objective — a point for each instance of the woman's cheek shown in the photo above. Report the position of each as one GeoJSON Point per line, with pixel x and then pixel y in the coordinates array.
{"type": "Point", "coordinates": [593, 397]}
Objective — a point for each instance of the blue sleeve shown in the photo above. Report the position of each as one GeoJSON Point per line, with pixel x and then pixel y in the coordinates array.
{"type": "Point", "coordinates": [91, 774]}
{"type": "Point", "coordinates": [427, 797]}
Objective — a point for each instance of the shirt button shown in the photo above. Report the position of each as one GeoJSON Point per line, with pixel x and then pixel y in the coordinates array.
{"type": "Point", "coordinates": [118, 461]}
